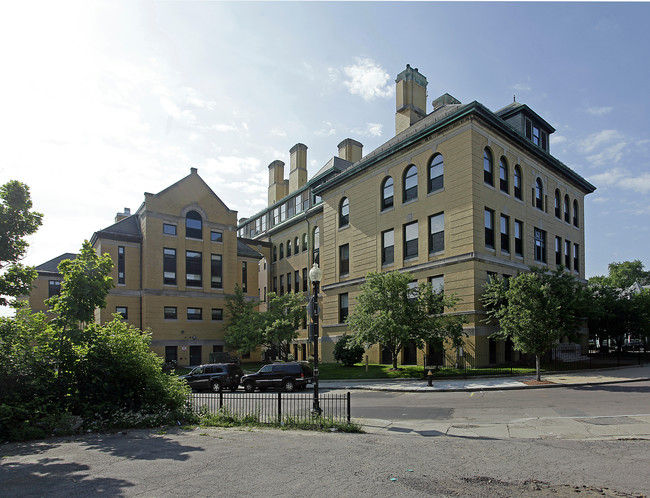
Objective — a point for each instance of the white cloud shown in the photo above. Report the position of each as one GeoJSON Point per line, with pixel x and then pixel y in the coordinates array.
{"type": "Point", "coordinates": [624, 179]}
{"type": "Point", "coordinates": [599, 111]}
{"type": "Point", "coordinates": [368, 80]}
{"type": "Point", "coordinates": [639, 183]}
{"type": "Point", "coordinates": [371, 130]}
{"type": "Point", "coordinates": [230, 165]}
{"type": "Point", "coordinates": [522, 87]}
{"type": "Point", "coordinates": [278, 132]}
{"type": "Point", "coordinates": [327, 130]}
{"type": "Point", "coordinates": [598, 140]}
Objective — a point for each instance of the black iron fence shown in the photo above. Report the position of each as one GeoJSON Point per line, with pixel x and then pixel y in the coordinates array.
{"type": "Point", "coordinates": [274, 407]}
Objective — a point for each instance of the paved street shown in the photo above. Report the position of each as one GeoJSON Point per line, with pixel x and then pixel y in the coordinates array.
{"type": "Point", "coordinates": [589, 439]}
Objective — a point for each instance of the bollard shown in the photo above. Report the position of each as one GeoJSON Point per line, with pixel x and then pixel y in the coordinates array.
{"type": "Point", "coordinates": [430, 379]}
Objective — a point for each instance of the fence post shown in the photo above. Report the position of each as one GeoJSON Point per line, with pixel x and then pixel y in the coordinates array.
{"type": "Point", "coordinates": [220, 400]}
{"type": "Point", "coordinates": [348, 410]}
{"type": "Point", "coordinates": [279, 406]}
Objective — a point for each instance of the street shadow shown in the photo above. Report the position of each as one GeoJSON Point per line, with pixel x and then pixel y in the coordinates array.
{"type": "Point", "coordinates": [614, 388]}
{"type": "Point", "coordinates": [433, 433]}
{"type": "Point", "coordinates": [146, 446]}
{"type": "Point", "coordinates": [52, 477]}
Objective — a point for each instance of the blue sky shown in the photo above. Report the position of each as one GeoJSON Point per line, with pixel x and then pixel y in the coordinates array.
{"type": "Point", "coordinates": [103, 101]}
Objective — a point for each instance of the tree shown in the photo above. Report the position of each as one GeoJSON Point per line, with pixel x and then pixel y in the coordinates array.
{"type": "Point", "coordinates": [85, 284]}
{"type": "Point", "coordinates": [16, 222]}
{"type": "Point", "coordinates": [245, 328]}
{"type": "Point", "coordinates": [281, 321]}
{"type": "Point", "coordinates": [391, 312]}
{"type": "Point", "coordinates": [537, 309]}
{"type": "Point", "coordinates": [348, 351]}
{"type": "Point", "coordinates": [623, 275]}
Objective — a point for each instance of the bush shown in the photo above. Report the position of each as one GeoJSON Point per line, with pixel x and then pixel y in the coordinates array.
{"type": "Point", "coordinates": [348, 351]}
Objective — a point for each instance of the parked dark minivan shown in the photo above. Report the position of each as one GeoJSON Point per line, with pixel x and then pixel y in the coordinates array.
{"type": "Point", "coordinates": [216, 377]}
{"type": "Point", "coordinates": [288, 376]}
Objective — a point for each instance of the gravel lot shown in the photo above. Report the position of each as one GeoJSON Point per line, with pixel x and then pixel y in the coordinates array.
{"type": "Point", "coordinates": [242, 462]}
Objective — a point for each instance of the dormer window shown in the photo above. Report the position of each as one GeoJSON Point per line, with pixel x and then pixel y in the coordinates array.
{"type": "Point", "coordinates": [536, 134]}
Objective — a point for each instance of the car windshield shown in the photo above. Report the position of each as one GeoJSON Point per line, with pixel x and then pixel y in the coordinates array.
{"type": "Point", "coordinates": [196, 371]}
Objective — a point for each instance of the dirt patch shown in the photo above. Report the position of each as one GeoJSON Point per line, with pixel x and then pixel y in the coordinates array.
{"type": "Point", "coordinates": [537, 382]}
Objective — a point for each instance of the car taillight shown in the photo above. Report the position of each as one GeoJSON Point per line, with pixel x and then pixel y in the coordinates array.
{"type": "Point", "coordinates": [302, 375]}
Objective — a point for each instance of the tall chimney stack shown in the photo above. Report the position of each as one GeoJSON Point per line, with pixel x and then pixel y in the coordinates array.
{"type": "Point", "coordinates": [297, 167]}
{"type": "Point", "coordinates": [411, 98]}
{"type": "Point", "coordinates": [350, 150]}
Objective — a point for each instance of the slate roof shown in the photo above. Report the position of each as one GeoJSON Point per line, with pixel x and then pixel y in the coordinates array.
{"type": "Point", "coordinates": [127, 229]}
{"type": "Point", "coordinates": [244, 251]}
{"type": "Point", "coordinates": [51, 267]}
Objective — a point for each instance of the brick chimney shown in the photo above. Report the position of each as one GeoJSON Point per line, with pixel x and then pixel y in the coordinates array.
{"type": "Point", "coordinates": [297, 167]}
{"type": "Point", "coordinates": [350, 150]}
{"type": "Point", "coordinates": [411, 98]}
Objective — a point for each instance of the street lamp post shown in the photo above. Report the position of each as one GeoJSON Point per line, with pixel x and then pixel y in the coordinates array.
{"type": "Point", "coordinates": [315, 275]}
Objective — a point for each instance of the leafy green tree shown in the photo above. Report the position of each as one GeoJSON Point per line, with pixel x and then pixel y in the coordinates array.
{"type": "Point", "coordinates": [537, 309]}
{"type": "Point", "coordinates": [16, 222]}
{"type": "Point", "coordinates": [623, 275]}
{"type": "Point", "coordinates": [245, 327]}
{"type": "Point", "coordinates": [348, 351]}
{"type": "Point", "coordinates": [390, 312]}
{"type": "Point", "coordinates": [282, 320]}
{"type": "Point", "coordinates": [86, 282]}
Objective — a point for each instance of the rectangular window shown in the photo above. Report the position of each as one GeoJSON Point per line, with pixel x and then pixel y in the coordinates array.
{"type": "Point", "coordinates": [296, 280]}
{"type": "Point", "coordinates": [169, 229]}
{"type": "Point", "coordinates": [244, 276]}
{"type": "Point", "coordinates": [344, 259]}
{"type": "Point", "coordinates": [411, 240]}
{"type": "Point", "coordinates": [304, 280]}
{"type": "Point", "coordinates": [519, 238]}
{"type": "Point", "coordinates": [558, 251]}
{"type": "Point", "coordinates": [298, 203]}
{"type": "Point", "coordinates": [290, 208]}
{"type": "Point", "coordinates": [540, 245]}
{"type": "Point", "coordinates": [281, 284]}
{"type": "Point", "coordinates": [120, 265]}
{"type": "Point", "coordinates": [276, 216]}
{"type": "Point", "coordinates": [195, 313]}
{"type": "Point", "coordinates": [437, 233]}
{"type": "Point", "coordinates": [283, 212]}
{"type": "Point", "coordinates": [567, 254]}
{"type": "Point", "coordinates": [216, 271]}
{"type": "Point", "coordinates": [576, 257]}
{"type": "Point", "coordinates": [216, 236]}
{"type": "Point", "coordinates": [123, 311]}
{"type": "Point", "coordinates": [263, 223]}
{"type": "Point", "coordinates": [193, 269]}
{"type": "Point", "coordinates": [53, 288]}
{"type": "Point", "coordinates": [289, 282]}
{"type": "Point", "coordinates": [275, 285]}
{"type": "Point", "coordinates": [217, 314]}
{"type": "Point", "coordinates": [489, 228]}
{"type": "Point", "coordinates": [169, 266]}
{"type": "Point", "coordinates": [505, 234]}
{"type": "Point", "coordinates": [343, 307]}
{"type": "Point", "coordinates": [171, 354]}
{"type": "Point", "coordinates": [536, 135]}
{"type": "Point", "coordinates": [388, 247]}
{"type": "Point", "coordinates": [170, 313]}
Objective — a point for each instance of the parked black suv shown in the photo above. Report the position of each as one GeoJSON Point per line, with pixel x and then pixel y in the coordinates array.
{"type": "Point", "coordinates": [216, 377]}
{"type": "Point", "coordinates": [288, 376]}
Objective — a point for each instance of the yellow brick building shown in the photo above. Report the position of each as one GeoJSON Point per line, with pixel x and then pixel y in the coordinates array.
{"type": "Point", "coordinates": [459, 194]}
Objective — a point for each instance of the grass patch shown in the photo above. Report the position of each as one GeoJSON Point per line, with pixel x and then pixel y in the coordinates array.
{"type": "Point", "coordinates": [224, 418]}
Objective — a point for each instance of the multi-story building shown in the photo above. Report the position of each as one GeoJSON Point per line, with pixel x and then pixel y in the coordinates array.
{"type": "Point", "coordinates": [459, 194]}
{"type": "Point", "coordinates": [175, 261]}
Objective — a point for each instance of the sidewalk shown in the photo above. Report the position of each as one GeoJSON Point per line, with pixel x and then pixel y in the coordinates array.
{"type": "Point", "coordinates": [576, 378]}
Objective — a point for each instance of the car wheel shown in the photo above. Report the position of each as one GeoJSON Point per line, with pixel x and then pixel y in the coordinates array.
{"type": "Point", "coordinates": [249, 387]}
{"type": "Point", "coordinates": [289, 385]}
{"type": "Point", "coordinates": [216, 386]}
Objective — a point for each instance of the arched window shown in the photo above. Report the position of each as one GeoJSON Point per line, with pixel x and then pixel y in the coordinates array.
{"type": "Point", "coordinates": [575, 213]}
{"type": "Point", "coordinates": [288, 248]}
{"type": "Point", "coordinates": [387, 193]}
{"type": "Point", "coordinates": [539, 194]}
{"type": "Point", "coordinates": [296, 246]}
{"type": "Point", "coordinates": [316, 246]}
{"type": "Point", "coordinates": [566, 209]}
{"type": "Point", "coordinates": [558, 212]}
{"type": "Point", "coordinates": [518, 182]}
{"type": "Point", "coordinates": [281, 251]}
{"type": "Point", "coordinates": [436, 172]}
{"type": "Point", "coordinates": [410, 183]}
{"type": "Point", "coordinates": [488, 167]}
{"type": "Point", "coordinates": [504, 183]}
{"type": "Point", "coordinates": [275, 253]}
{"type": "Point", "coordinates": [344, 212]}
{"type": "Point", "coordinates": [304, 241]}
{"type": "Point", "coordinates": [193, 225]}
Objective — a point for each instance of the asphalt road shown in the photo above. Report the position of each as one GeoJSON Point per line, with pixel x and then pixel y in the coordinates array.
{"type": "Point", "coordinates": [504, 406]}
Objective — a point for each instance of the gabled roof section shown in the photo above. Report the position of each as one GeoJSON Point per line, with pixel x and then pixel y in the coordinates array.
{"type": "Point", "coordinates": [243, 251]}
{"type": "Point", "coordinates": [194, 173]}
{"type": "Point", "coordinates": [51, 267]}
{"type": "Point", "coordinates": [127, 230]}
{"type": "Point", "coordinates": [516, 108]}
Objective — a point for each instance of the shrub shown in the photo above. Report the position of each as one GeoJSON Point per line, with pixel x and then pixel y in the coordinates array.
{"type": "Point", "coordinates": [348, 351]}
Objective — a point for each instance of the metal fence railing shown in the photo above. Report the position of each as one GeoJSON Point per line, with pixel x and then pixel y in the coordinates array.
{"type": "Point", "coordinates": [274, 407]}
